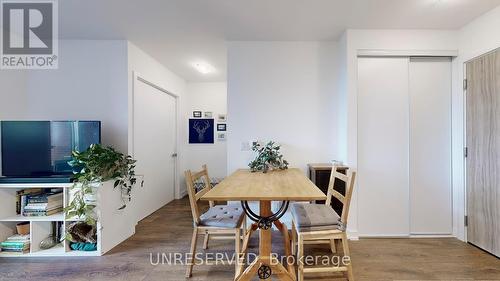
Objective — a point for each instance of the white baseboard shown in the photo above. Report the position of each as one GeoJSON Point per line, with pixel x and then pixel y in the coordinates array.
{"type": "Point", "coordinates": [432, 236]}
{"type": "Point", "coordinates": [375, 236]}
{"type": "Point", "coordinates": [353, 235]}
{"type": "Point", "coordinates": [397, 236]}
{"type": "Point", "coordinates": [182, 195]}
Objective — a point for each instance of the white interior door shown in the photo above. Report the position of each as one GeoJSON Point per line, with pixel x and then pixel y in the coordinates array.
{"type": "Point", "coordinates": [383, 138]}
{"type": "Point", "coordinates": [430, 146]}
{"type": "Point", "coordinates": [154, 144]}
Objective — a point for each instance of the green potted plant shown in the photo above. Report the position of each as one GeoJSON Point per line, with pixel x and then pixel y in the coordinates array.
{"type": "Point", "coordinates": [268, 157]}
{"type": "Point", "coordinates": [91, 168]}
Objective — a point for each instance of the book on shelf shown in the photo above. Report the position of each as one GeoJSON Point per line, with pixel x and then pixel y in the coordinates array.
{"type": "Point", "coordinates": [19, 237]}
{"type": "Point", "coordinates": [37, 213]}
{"type": "Point", "coordinates": [24, 192]}
{"type": "Point", "coordinates": [42, 206]}
{"type": "Point", "coordinates": [16, 243]}
{"type": "Point", "coordinates": [46, 197]}
{"type": "Point", "coordinates": [44, 203]}
{"type": "Point", "coordinates": [21, 251]}
{"type": "Point", "coordinates": [58, 230]}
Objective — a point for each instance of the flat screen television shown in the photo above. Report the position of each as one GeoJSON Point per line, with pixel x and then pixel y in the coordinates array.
{"type": "Point", "coordinates": [39, 151]}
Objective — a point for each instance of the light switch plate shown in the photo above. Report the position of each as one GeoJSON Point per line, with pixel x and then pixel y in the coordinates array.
{"type": "Point", "coordinates": [245, 146]}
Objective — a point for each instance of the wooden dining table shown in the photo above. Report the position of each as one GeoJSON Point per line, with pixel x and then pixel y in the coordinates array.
{"type": "Point", "coordinates": [277, 185]}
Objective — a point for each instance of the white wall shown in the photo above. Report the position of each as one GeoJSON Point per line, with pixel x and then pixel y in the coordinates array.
{"type": "Point", "coordinates": [476, 38]}
{"type": "Point", "coordinates": [13, 94]}
{"type": "Point", "coordinates": [388, 40]}
{"type": "Point", "coordinates": [206, 97]}
{"type": "Point", "coordinates": [286, 92]}
{"type": "Point", "coordinates": [480, 36]}
{"type": "Point", "coordinates": [90, 84]}
{"type": "Point", "coordinates": [342, 97]}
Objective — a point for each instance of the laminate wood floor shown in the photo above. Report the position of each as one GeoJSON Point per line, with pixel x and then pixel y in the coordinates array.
{"type": "Point", "coordinates": [169, 230]}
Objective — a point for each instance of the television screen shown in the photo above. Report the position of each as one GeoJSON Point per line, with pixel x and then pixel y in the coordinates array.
{"type": "Point", "coordinates": [43, 148]}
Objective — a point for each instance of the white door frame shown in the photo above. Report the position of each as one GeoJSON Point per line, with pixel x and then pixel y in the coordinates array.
{"type": "Point", "coordinates": [464, 159]}
{"type": "Point", "coordinates": [137, 77]}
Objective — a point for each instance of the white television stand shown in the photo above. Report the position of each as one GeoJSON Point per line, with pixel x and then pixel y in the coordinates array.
{"type": "Point", "coordinates": [114, 226]}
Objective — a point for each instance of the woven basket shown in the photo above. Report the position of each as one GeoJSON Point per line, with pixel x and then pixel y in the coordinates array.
{"type": "Point", "coordinates": [23, 228]}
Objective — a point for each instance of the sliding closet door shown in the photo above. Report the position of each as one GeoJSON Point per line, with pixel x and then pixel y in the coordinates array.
{"type": "Point", "coordinates": [483, 159]}
{"type": "Point", "coordinates": [383, 124]}
{"type": "Point", "coordinates": [430, 146]}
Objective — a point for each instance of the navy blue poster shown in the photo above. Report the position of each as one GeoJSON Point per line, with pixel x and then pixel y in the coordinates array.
{"type": "Point", "coordinates": [201, 130]}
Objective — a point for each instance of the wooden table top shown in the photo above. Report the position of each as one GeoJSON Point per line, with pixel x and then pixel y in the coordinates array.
{"type": "Point", "coordinates": [279, 185]}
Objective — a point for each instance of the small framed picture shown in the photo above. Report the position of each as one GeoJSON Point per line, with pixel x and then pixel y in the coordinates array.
{"type": "Point", "coordinates": [208, 114]}
{"type": "Point", "coordinates": [197, 114]}
{"type": "Point", "coordinates": [221, 136]}
{"type": "Point", "coordinates": [221, 127]}
{"type": "Point", "coordinates": [221, 118]}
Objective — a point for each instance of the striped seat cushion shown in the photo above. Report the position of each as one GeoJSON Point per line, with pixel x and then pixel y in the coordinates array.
{"type": "Point", "coordinates": [310, 217]}
{"type": "Point", "coordinates": [227, 216]}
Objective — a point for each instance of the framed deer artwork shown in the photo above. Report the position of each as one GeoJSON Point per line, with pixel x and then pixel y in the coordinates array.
{"type": "Point", "coordinates": [201, 131]}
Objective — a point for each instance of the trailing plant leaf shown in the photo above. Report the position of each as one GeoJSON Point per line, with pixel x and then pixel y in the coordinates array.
{"type": "Point", "coordinates": [96, 165]}
{"type": "Point", "coordinates": [268, 157]}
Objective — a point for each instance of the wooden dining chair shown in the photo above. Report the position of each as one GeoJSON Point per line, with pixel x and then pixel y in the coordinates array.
{"type": "Point", "coordinates": [225, 220]}
{"type": "Point", "coordinates": [320, 223]}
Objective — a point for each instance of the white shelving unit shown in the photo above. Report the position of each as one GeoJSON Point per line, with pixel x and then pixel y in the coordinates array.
{"type": "Point", "coordinates": [40, 227]}
{"type": "Point", "coordinates": [55, 217]}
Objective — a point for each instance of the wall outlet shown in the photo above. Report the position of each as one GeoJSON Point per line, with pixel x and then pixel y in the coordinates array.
{"type": "Point", "coordinates": [246, 146]}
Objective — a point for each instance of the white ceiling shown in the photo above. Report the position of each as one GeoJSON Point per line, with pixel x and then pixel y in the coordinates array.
{"type": "Point", "coordinates": [180, 32]}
